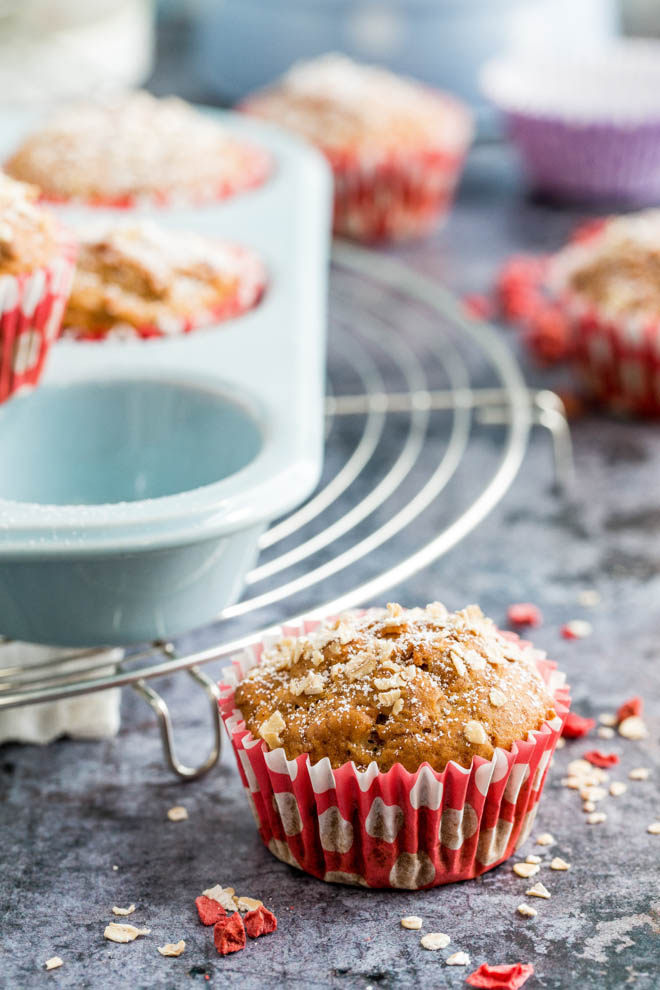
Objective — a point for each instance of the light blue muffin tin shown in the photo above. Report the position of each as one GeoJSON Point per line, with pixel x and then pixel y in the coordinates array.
{"type": "Point", "coordinates": [137, 479]}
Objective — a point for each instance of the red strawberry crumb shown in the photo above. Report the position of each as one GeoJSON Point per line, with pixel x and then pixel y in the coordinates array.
{"type": "Point", "coordinates": [500, 977]}
{"type": "Point", "coordinates": [478, 306]}
{"type": "Point", "coordinates": [600, 759]}
{"type": "Point", "coordinates": [575, 726]}
{"type": "Point", "coordinates": [548, 335]}
{"type": "Point", "coordinates": [260, 922]}
{"type": "Point", "coordinates": [633, 706]}
{"type": "Point", "coordinates": [587, 230]}
{"type": "Point", "coordinates": [229, 935]}
{"type": "Point", "coordinates": [524, 614]}
{"type": "Point", "coordinates": [209, 911]}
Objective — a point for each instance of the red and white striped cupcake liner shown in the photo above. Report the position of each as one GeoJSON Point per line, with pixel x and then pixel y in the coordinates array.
{"type": "Point", "coordinates": [252, 282]}
{"type": "Point", "coordinates": [31, 309]}
{"type": "Point", "coordinates": [400, 197]}
{"type": "Point", "coordinates": [395, 829]}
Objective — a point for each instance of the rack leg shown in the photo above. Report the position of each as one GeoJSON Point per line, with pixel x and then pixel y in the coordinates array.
{"type": "Point", "coordinates": [159, 706]}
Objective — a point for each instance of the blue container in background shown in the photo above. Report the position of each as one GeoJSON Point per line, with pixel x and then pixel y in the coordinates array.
{"type": "Point", "coordinates": [245, 44]}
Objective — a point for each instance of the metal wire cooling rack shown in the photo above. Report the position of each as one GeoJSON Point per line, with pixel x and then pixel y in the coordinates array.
{"type": "Point", "coordinates": [413, 383]}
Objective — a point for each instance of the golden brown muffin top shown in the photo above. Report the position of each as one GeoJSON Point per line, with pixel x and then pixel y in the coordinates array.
{"type": "Point", "coordinates": [134, 145]}
{"type": "Point", "coordinates": [396, 686]}
{"type": "Point", "coordinates": [139, 273]}
{"type": "Point", "coordinates": [28, 233]}
{"type": "Point", "coordinates": [618, 270]}
{"type": "Point", "coordinates": [338, 103]}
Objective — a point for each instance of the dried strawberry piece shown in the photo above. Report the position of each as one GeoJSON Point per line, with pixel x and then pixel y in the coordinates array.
{"type": "Point", "coordinates": [500, 977]}
{"type": "Point", "coordinates": [229, 934]}
{"type": "Point", "coordinates": [524, 614]}
{"type": "Point", "coordinates": [478, 306]}
{"type": "Point", "coordinates": [261, 921]}
{"type": "Point", "coordinates": [575, 726]}
{"type": "Point", "coordinates": [548, 334]}
{"type": "Point", "coordinates": [633, 706]}
{"type": "Point", "coordinates": [600, 759]}
{"type": "Point", "coordinates": [518, 286]}
{"type": "Point", "coordinates": [209, 911]}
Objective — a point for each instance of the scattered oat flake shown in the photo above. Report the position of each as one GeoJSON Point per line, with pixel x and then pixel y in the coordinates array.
{"type": "Point", "coordinates": [223, 895]}
{"type": "Point", "coordinates": [632, 706]}
{"type": "Point", "coordinates": [559, 864]}
{"type": "Point", "coordinates": [54, 962]}
{"type": "Point", "coordinates": [538, 890]}
{"type": "Point", "coordinates": [575, 726]}
{"type": "Point", "coordinates": [247, 904]}
{"type": "Point", "coordinates": [527, 910]}
{"type": "Point", "coordinates": [633, 728]}
{"type": "Point", "coordinates": [588, 598]}
{"type": "Point", "coordinates": [412, 922]}
{"type": "Point", "coordinates": [596, 818]}
{"type": "Point", "coordinates": [229, 935]}
{"type": "Point", "coordinates": [588, 806]}
{"type": "Point", "coordinates": [617, 788]}
{"type": "Point", "coordinates": [576, 629]}
{"type": "Point", "coordinates": [599, 759]}
{"type": "Point", "coordinates": [654, 828]}
{"type": "Point", "coordinates": [525, 870]}
{"type": "Point", "coordinates": [524, 614]}
{"type": "Point", "coordinates": [177, 814]}
{"type": "Point", "coordinates": [261, 921]}
{"type": "Point", "coordinates": [531, 858]}
{"type": "Point", "coordinates": [545, 839]}
{"type": "Point", "coordinates": [116, 932]}
{"type": "Point", "coordinates": [561, 742]}
{"type": "Point", "coordinates": [434, 941]}
{"type": "Point", "coordinates": [608, 719]}
{"type": "Point", "coordinates": [172, 948]}
{"type": "Point", "coordinates": [115, 867]}
{"type": "Point", "coordinates": [458, 959]}
{"type": "Point", "coordinates": [123, 912]}
{"type": "Point", "coordinates": [500, 977]}
{"type": "Point", "coordinates": [639, 773]}
{"type": "Point", "coordinates": [605, 732]}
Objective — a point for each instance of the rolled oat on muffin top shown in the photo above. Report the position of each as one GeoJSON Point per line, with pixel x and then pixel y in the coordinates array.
{"type": "Point", "coordinates": [28, 234]}
{"type": "Point", "coordinates": [616, 269]}
{"type": "Point", "coordinates": [136, 146]}
{"type": "Point", "coordinates": [397, 686]}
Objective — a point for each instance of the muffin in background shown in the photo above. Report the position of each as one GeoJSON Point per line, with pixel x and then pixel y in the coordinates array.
{"type": "Point", "coordinates": [394, 748]}
{"type": "Point", "coordinates": [137, 148]}
{"type": "Point", "coordinates": [36, 266]}
{"type": "Point", "coordinates": [607, 282]}
{"type": "Point", "coordinates": [395, 146]}
{"type": "Point", "coordinates": [137, 278]}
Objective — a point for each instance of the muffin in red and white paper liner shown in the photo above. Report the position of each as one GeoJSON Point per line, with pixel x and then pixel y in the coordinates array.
{"type": "Point", "coordinates": [136, 149]}
{"type": "Point", "coordinates": [391, 829]}
{"type": "Point", "coordinates": [138, 279]}
{"type": "Point", "coordinates": [37, 258]}
{"type": "Point", "coordinates": [395, 146]}
{"type": "Point", "coordinates": [607, 284]}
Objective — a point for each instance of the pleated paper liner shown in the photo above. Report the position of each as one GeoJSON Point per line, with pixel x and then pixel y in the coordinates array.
{"type": "Point", "coordinates": [395, 829]}
{"type": "Point", "coordinates": [31, 309]}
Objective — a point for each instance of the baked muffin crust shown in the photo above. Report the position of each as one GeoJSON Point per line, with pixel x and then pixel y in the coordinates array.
{"type": "Point", "coordinates": [28, 233]}
{"type": "Point", "coordinates": [338, 104]}
{"type": "Point", "coordinates": [396, 686]}
{"type": "Point", "coordinates": [140, 274]}
{"type": "Point", "coordinates": [134, 146]}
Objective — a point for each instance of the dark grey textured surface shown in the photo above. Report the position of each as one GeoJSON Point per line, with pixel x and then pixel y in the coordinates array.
{"type": "Point", "coordinates": [72, 810]}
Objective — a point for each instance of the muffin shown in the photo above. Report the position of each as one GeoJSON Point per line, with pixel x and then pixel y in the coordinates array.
{"type": "Point", "coordinates": [394, 748]}
{"type": "Point", "coordinates": [608, 285]}
{"type": "Point", "coordinates": [36, 266]}
{"type": "Point", "coordinates": [150, 281]}
{"type": "Point", "coordinates": [395, 146]}
{"type": "Point", "coordinates": [136, 148]}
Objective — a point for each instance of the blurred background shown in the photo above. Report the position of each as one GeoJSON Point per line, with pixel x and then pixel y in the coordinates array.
{"type": "Point", "coordinates": [215, 51]}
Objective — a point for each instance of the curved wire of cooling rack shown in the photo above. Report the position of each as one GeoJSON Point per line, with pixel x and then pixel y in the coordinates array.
{"type": "Point", "coordinates": [423, 377]}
